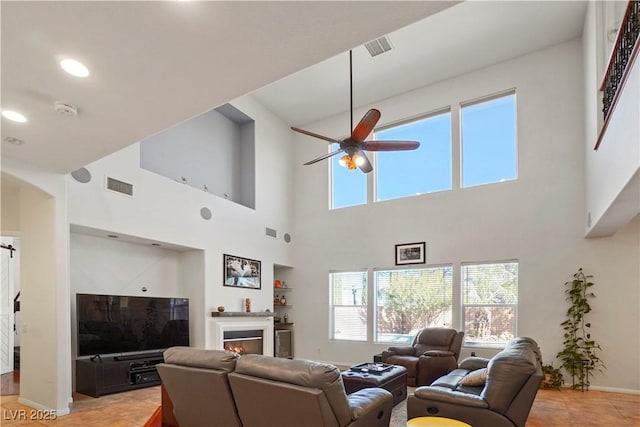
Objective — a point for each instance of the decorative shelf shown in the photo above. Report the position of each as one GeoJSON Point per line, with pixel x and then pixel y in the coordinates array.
{"type": "Point", "coordinates": [282, 306]}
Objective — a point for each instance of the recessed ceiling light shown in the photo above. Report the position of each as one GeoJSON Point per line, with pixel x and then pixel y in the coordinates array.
{"type": "Point", "coordinates": [74, 68]}
{"type": "Point", "coordinates": [13, 116]}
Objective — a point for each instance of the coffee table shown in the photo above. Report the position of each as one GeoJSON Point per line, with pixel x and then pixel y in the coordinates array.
{"type": "Point", "coordinates": [393, 380]}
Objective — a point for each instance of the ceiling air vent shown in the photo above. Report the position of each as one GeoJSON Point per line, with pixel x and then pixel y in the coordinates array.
{"type": "Point", "coordinates": [119, 186]}
{"type": "Point", "coordinates": [378, 46]}
{"type": "Point", "coordinates": [271, 232]}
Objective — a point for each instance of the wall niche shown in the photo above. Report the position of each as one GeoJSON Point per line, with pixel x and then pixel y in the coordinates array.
{"type": "Point", "coordinates": [213, 152]}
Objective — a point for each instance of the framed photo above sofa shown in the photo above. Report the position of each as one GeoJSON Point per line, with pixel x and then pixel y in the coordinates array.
{"type": "Point", "coordinates": [410, 253]}
{"type": "Point", "coordinates": [241, 272]}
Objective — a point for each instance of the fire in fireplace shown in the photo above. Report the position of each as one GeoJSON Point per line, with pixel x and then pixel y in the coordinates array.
{"type": "Point", "coordinates": [243, 342]}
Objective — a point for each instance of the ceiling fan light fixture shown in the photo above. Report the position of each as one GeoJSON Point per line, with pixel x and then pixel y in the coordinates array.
{"type": "Point", "coordinates": [358, 159]}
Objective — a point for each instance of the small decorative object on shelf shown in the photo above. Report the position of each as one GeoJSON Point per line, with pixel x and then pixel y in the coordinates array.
{"type": "Point", "coordinates": [247, 304]}
{"type": "Point", "coordinates": [277, 284]}
{"type": "Point", "coordinates": [286, 318]}
{"type": "Point", "coordinates": [283, 300]}
{"type": "Point", "coordinates": [220, 308]}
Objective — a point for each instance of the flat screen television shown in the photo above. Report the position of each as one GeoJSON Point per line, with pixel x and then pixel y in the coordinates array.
{"type": "Point", "coordinates": [121, 324]}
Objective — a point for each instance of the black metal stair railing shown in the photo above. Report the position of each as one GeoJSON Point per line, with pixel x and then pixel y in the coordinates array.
{"type": "Point", "coordinates": [623, 52]}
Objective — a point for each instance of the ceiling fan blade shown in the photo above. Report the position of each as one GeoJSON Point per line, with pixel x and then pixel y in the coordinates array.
{"type": "Point", "coordinates": [315, 135]}
{"type": "Point", "coordinates": [366, 125]}
{"type": "Point", "coordinates": [365, 165]}
{"type": "Point", "coordinates": [390, 145]}
{"type": "Point", "coordinates": [325, 156]}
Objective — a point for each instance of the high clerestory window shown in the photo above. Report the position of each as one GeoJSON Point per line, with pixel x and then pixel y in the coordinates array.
{"type": "Point", "coordinates": [487, 147]}
{"type": "Point", "coordinates": [488, 133]}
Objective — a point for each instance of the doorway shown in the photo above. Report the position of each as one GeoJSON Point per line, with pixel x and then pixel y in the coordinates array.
{"type": "Point", "coordinates": [9, 315]}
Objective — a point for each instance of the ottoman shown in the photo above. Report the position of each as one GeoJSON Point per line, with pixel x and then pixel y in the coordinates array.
{"type": "Point", "coordinates": [394, 380]}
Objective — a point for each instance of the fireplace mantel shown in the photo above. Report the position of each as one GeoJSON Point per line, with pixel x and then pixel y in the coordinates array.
{"type": "Point", "coordinates": [241, 314]}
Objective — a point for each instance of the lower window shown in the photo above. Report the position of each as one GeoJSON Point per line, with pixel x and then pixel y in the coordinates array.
{"type": "Point", "coordinates": [489, 303]}
{"type": "Point", "coordinates": [412, 299]}
{"type": "Point", "coordinates": [349, 306]}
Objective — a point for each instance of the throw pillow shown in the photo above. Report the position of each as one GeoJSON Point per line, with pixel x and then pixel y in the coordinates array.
{"type": "Point", "coordinates": [475, 378]}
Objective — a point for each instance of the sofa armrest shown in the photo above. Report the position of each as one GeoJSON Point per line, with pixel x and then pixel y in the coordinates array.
{"type": "Point", "coordinates": [445, 395]}
{"type": "Point", "coordinates": [472, 363]}
{"type": "Point", "coordinates": [404, 351]}
{"type": "Point", "coordinates": [370, 407]}
{"type": "Point", "coordinates": [438, 353]}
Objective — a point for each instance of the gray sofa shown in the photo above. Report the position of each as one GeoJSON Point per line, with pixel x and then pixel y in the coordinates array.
{"type": "Point", "coordinates": [213, 387]}
{"type": "Point", "coordinates": [496, 392]}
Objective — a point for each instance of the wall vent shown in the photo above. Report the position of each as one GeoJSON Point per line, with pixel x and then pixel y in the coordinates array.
{"type": "Point", "coordinates": [119, 186]}
{"type": "Point", "coordinates": [378, 46]}
{"type": "Point", "coordinates": [271, 232]}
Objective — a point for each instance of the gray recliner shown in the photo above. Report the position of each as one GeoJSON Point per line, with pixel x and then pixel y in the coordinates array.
{"type": "Point", "coordinates": [271, 391]}
{"type": "Point", "coordinates": [197, 383]}
{"type": "Point", "coordinates": [502, 398]}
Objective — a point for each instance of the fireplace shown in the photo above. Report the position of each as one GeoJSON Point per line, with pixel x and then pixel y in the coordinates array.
{"type": "Point", "coordinates": [243, 342]}
{"type": "Point", "coordinates": [258, 324]}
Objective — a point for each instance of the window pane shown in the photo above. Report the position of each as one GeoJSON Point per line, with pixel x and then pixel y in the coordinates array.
{"type": "Point", "coordinates": [349, 306]}
{"type": "Point", "coordinates": [348, 187]}
{"type": "Point", "coordinates": [425, 170]}
{"type": "Point", "coordinates": [489, 325]}
{"type": "Point", "coordinates": [490, 301]}
{"type": "Point", "coordinates": [490, 283]}
{"type": "Point", "coordinates": [489, 141]}
{"type": "Point", "coordinates": [409, 300]}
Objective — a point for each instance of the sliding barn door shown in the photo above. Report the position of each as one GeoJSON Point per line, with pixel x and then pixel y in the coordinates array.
{"type": "Point", "coordinates": [6, 311]}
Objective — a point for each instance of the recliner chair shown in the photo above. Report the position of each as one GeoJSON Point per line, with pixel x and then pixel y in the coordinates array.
{"type": "Point", "coordinates": [434, 353]}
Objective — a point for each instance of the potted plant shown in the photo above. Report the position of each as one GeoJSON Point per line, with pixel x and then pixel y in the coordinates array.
{"type": "Point", "coordinates": [579, 354]}
{"type": "Point", "coordinates": [552, 377]}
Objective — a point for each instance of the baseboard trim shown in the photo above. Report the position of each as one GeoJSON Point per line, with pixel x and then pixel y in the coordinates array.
{"type": "Point", "coordinates": [614, 389]}
{"type": "Point", "coordinates": [34, 405]}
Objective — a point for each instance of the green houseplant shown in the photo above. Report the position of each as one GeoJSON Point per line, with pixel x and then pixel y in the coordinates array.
{"type": "Point", "coordinates": [552, 377]}
{"type": "Point", "coordinates": [579, 354]}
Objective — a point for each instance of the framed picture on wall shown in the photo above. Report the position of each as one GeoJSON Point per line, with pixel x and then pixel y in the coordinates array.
{"type": "Point", "coordinates": [241, 272]}
{"type": "Point", "coordinates": [410, 253]}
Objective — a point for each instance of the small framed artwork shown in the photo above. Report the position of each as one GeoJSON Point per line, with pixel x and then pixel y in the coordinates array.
{"type": "Point", "coordinates": [241, 272]}
{"type": "Point", "coordinates": [410, 253]}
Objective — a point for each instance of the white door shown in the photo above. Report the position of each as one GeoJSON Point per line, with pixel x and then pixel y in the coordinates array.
{"type": "Point", "coordinates": [6, 309]}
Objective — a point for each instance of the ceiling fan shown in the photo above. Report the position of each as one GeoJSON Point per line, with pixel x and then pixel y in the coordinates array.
{"type": "Point", "coordinates": [355, 145]}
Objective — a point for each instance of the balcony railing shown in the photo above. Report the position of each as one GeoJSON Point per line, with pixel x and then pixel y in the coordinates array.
{"type": "Point", "coordinates": [624, 53]}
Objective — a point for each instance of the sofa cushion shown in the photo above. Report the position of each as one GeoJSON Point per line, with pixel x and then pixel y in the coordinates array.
{"type": "Point", "coordinates": [475, 378]}
{"type": "Point", "coordinates": [451, 380]}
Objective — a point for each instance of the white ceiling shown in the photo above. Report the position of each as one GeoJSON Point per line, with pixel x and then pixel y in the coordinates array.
{"type": "Point", "coordinates": [156, 64]}
{"type": "Point", "coordinates": [466, 37]}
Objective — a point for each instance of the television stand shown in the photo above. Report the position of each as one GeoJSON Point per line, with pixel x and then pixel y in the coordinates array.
{"type": "Point", "coordinates": [105, 375]}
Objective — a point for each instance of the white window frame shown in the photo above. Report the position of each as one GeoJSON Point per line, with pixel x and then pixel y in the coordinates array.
{"type": "Point", "coordinates": [332, 306]}
{"type": "Point", "coordinates": [463, 305]}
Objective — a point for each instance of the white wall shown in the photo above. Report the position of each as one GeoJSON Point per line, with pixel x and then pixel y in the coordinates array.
{"type": "Point", "coordinates": [206, 150]}
{"type": "Point", "coordinates": [166, 211]}
{"type": "Point", "coordinates": [45, 357]}
{"type": "Point", "coordinates": [612, 193]}
{"type": "Point", "coordinates": [537, 219]}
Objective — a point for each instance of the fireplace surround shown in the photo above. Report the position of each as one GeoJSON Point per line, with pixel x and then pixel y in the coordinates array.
{"type": "Point", "coordinates": [237, 322]}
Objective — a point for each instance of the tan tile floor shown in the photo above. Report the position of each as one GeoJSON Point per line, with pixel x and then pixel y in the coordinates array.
{"type": "Point", "coordinates": [552, 408]}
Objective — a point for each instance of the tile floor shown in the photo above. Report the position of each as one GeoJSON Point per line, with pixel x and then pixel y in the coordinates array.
{"type": "Point", "coordinates": [552, 408]}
